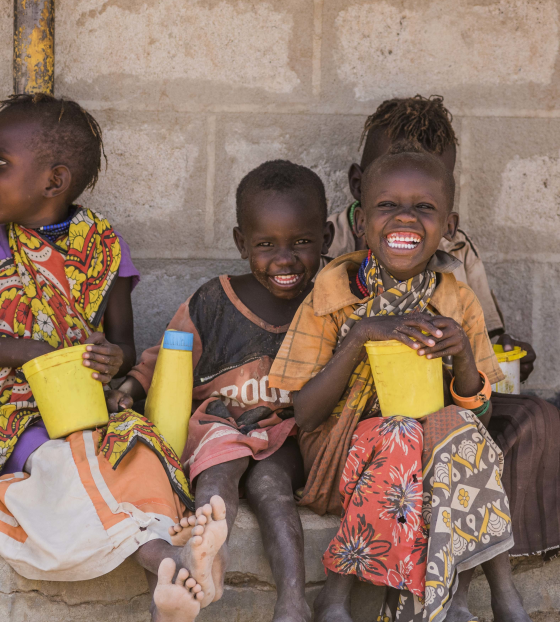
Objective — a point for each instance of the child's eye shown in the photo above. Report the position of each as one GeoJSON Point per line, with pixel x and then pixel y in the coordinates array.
{"type": "Point", "coordinates": [303, 241]}
{"type": "Point", "coordinates": [428, 206]}
{"type": "Point", "coordinates": [2, 162]}
{"type": "Point", "coordinates": [264, 244]}
{"type": "Point", "coordinates": [386, 204]}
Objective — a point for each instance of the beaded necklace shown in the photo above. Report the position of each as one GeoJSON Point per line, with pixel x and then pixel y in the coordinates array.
{"type": "Point", "coordinates": [53, 232]}
{"type": "Point", "coordinates": [361, 276]}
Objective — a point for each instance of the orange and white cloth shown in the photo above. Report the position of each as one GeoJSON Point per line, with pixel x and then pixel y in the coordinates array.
{"type": "Point", "coordinates": [75, 518]}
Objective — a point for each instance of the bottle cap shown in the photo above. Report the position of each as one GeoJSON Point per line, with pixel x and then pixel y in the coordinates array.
{"type": "Point", "coordinates": [177, 340]}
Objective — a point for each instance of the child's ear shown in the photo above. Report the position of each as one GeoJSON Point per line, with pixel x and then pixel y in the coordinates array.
{"type": "Point", "coordinates": [359, 228]}
{"type": "Point", "coordinates": [239, 240]}
{"type": "Point", "coordinates": [328, 237]}
{"type": "Point", "coordinates": [355, 174]}
{"type": "Point", "coordinates": [452, 224]}
{"type": "Point", "coordinates": [59, 181]}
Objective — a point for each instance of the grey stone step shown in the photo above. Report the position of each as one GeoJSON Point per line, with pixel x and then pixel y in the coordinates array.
{"type": "Point", "coordinates": [122, 595]}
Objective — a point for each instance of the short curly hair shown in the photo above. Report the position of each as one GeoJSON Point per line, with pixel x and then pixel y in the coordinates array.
{"type": "Point", "coordinates": [69, 135]}
{"type": "Point", "coordinates": [422, 119]}
{"type": "Point", "coordinates": [280, 176]}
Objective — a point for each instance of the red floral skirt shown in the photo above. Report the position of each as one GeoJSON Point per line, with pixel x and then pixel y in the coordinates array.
{"type": "Point", "coordinates": [382, 538]}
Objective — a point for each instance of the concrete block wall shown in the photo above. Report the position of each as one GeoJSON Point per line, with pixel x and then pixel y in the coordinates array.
{"type": "Point", "coordinates": [193, 94]}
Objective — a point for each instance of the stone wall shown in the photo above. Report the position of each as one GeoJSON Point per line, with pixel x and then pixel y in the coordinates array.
{"type": "Point", "coordinates": [193, 94]}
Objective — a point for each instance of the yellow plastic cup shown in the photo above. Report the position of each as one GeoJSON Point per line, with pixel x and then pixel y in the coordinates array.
{"type": "Point", "coordinates": [68, 398]}
{"type": "Point", "coordinates": [407, 384]}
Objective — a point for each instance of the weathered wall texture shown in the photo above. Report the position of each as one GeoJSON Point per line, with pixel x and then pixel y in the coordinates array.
{"type": "Point", "coordinates": [193, 94]}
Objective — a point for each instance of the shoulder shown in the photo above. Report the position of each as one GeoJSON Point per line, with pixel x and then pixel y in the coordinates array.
{"type": "Point", "coordinates": [211, 293]}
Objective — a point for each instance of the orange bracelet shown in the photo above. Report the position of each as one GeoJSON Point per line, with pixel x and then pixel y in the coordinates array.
{"type": "Point", "coordinates": [476, 401]}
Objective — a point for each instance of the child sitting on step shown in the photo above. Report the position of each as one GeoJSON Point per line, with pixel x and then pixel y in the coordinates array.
{"type": "Point", "coordinates": [75, 508]}
{"type": "Point", "coordinates": [240, 427]}
{"type": "Point", "coordinates": [422, 499]}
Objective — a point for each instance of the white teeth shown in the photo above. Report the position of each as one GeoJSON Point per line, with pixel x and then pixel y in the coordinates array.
{"type": "Point", "coordinates": [403, 241]}
{"type": "Point", "coordinates": [286, 279]}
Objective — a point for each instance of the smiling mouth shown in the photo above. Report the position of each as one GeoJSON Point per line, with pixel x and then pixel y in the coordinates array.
{"type": "Point", "coordinates": [287, 280]}
{"type": "Point", "coordinates": [403, 241]}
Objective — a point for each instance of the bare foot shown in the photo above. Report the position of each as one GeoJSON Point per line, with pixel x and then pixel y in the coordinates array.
{"type": "Point", "coordinates": [293, 611]}
{"type": "Point", "coordinates": [328, 610]}
{"type": "Point", "coordinates": [209, 534]}
{"type": "Point", "coordinates": [181, 532]}
{"type": "Point", "coordinates": [177, 601]}
{"type": "Point", "coordinates": [508, 607]}
{"type": "Point", "coordinates": [459, 613]}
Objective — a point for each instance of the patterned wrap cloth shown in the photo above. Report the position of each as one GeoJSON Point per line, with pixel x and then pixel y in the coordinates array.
{"type": "Point", "coordinates": [422, 499]}
{"type": "Point", "coordinates": [58, 293]}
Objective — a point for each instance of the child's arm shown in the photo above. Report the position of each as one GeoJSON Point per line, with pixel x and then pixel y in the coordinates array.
{"type": "Point", "coordinates": [16, 352]}
{"type": "Point", "coordinates": [113, 353]}
{"type": "Point", "coordinates": [314, 403]}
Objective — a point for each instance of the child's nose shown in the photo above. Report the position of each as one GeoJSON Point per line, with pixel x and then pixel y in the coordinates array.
{"type": "Point", "coordinates": [285, 257]}
{"type": "Point", "coordinates": [406, 215]}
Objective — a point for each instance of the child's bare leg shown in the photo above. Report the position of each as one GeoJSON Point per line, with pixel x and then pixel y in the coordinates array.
{"type": "Point", "coordinates": [269, 487]}
{"type": "Point", "coordinates": [175, 601]}
{"type": "Point", "coordinates": [507, 605]}
{"type": "Point", "coordinates": [459, 609]}
{"type": "Point", "coordinates": [222, 480]}
{"type": "Point", "coordinates": [333, 602]}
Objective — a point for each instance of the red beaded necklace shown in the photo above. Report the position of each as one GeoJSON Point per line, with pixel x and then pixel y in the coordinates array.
{"type": "Point", "coordinates": [361, 277]}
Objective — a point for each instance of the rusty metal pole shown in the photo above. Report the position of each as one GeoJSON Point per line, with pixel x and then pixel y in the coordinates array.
{"type": "Point", "coordinates": [34, 46]}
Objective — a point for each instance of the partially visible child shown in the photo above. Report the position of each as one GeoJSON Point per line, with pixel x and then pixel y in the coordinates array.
{"type": "Point", "coordinates": [242, 430]}
{"type": "Point", "coordinates": [423, 500]}
{"type": "Point", "coordinates": [74, 508]}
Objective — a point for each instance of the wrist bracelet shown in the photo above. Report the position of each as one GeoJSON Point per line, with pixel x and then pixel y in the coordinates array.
{"type": "Point", "coordinates": [480, 412]}
{"type": "Point", "coordinates": [476, 401]}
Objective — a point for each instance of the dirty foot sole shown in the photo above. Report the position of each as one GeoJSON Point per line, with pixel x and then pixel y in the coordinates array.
{"type": "Point", "coordinates": [177, 601]}
{"type": "Point", "coordinates": [209, 534]}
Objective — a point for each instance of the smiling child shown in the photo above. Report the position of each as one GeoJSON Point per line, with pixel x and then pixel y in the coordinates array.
{"type": "Point", "coordinates": [422, 499]}
{"type": "Point", "coordinates": [240, 426]}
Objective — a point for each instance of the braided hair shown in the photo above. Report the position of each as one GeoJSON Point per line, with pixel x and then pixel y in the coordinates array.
{"type": "Point", "coordinates": [422, 119]}
{"type": "Point", "coordinates": [69, 135]}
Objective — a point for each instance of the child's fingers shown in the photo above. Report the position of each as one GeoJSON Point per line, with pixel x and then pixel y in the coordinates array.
{"type": "Point", "coordinates": [423, 324]}
{"type": "Point", "coordinates": [399, 336]}
{"type": "Point", "coordinates": [100, 358]}
{"type": "Point", "coordinates": [104, 378]}
{"type": "Point", "coordinates": [419, 337]}
{"type": "Point", "coordinates": [445, 347]}
{"type": "Point", "coordinates": [106, 350]}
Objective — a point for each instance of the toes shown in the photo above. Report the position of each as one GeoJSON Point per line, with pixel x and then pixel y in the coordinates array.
{"type": "Point", "coordinates": [199, 595]}
{"type": "Point", "coordinates": [192, 520]}
{"type": "Point", "coordinates": [184, 522]}
{"type": "Point", "coordinates": [182, 576]}
{"type": "Point", "coordinates": [198, 530]}
{"type": "Point", "coordinates": [190, 583]}
{"type": "Point", "coordinates": [202, 519]}
{"type": "Point", "coordinates": [218, 507]}
{"type": "Point", "coordinates": [176, 529]}
{"type": "Point", "coordinates": [166, 571]}
{"type": "Point", "coordinates": [205, 510]}
{"type": "Point", "coordinates": [195, 541]}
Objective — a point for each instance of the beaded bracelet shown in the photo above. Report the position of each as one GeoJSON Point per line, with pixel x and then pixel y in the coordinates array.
{"type": "Point", "coordinates": [476, 401]}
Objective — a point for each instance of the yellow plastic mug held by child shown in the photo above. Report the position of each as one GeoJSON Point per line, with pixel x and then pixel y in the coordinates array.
{"type": "Point", "coordinates": [169, 401]}
{"type": "Point", "coordinates": [68, 398]}
{"type": "Point", "coordinates": [407, 384]}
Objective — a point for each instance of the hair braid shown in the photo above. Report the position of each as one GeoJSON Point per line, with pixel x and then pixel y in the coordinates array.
{"type": "Point", "coordinates": [422, 119]}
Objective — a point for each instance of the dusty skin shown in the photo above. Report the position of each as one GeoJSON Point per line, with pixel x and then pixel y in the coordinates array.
{"type": "Point", "coordinates": [179, 600]}
{"type": "Point", "coordinates": [208, 532]}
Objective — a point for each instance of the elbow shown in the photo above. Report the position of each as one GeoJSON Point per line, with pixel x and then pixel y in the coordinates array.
{"type": "Point", "coordinates": [303, 420]}
{"type": "Point", "coordinates": [305, 425]}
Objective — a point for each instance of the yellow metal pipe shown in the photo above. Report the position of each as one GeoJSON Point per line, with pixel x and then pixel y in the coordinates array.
{"type": "Point", "coordinates": [33, 46]}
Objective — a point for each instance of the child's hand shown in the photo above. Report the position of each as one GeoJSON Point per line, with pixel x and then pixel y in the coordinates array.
{"type": "Point", "coordinates": [103, 357]}
{"type": "Point", "coordinates": [118, 400]}
{"type": "Point", "coordinates": [404, 328]}
{"type": "Point", "coordinates": [452, 342]}
{"type": "Point", "coordinates": [527, 362]}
